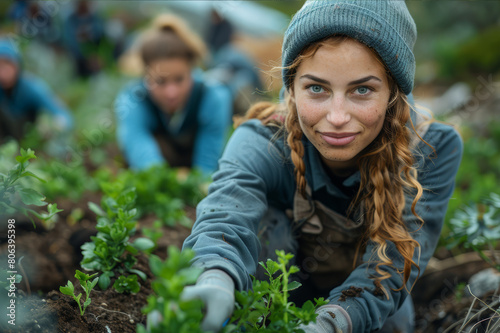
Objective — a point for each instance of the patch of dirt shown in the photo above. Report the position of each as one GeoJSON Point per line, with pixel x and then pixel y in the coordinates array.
{"type": "Point", "coordinates": [50, 258]}
{"type": "Point", "coordinates": [437, 297]}
{"type": "Point", "coordinates": [352, 291]}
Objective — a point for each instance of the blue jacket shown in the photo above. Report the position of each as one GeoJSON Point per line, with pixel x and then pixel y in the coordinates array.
{"type": "Point", "coordinates": [204, 121]}
{"type": "Point", "coordinates": [256, 171]}
{"type": "Point", "coordinates": [30, 95]}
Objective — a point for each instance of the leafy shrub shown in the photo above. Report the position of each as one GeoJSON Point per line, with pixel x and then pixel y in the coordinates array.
{"type": "Point", "coordinates": [161, 191]}
{"type": "Point", "coordinates": [111, 251]}
{"type": "Point", "coordinates": [16, 197]}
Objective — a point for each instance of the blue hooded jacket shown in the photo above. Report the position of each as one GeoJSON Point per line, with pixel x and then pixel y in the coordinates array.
{"type": "Point", "coordinates": [30, 95]}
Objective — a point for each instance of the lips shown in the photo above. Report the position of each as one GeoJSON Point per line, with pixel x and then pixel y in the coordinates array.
{"type": "Point", "coordinates": [338, 139]}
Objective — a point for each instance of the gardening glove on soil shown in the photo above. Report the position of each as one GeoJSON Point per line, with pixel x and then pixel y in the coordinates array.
{"type": "Point", "coordinates": [216, 289]}
{"type": "Point", "coordinates": [330, 319]}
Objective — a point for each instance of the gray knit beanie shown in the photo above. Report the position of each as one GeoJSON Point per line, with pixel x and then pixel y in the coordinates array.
{"type": "Point", "coordinates": [384, 25]}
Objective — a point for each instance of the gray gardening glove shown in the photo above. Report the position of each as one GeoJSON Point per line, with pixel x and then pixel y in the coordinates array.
{"type": "Point", "coordinates": [330, 319]}
{"type": "Point", "coordinates": [216, 289]}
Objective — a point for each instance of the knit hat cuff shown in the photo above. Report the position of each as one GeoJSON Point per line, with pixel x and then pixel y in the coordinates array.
{"type": "Point", "coordinates": [9, 52]}
{"type": "Point", "coordinates": [359, 23]}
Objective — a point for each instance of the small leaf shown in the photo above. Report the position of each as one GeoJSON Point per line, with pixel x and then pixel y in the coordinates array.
{"type": "Point", "coordinates": [104, 281]}
{"type": "Point", "coordinates": [31, 174]}
{"type": "Point", "coordinates": [155, 264]}
{"type": "Point", "coordinates": [141, 274]}
{"type": "Point", "coordinates": [293, 285]}
{"type": "Point", "coordinates": [143, 244]}
{"type": "Point", "coordinates": [96, 209]}
{"type": "Point", "coordinates": [66, 291]}
{"type": "Point", "coordinates": [31, 197]}
{"type": "Point", "coordinates": [93, 283]}
{"type": "Point", "coordinates": [81, 276]}
{"type": "Point", "coordinates": [87, 302]}
{"type": "Point", "coordinates": [131, 249]}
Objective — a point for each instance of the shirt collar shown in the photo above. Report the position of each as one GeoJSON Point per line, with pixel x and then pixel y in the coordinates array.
{"type": "Point", "coordinates": [317, 176]}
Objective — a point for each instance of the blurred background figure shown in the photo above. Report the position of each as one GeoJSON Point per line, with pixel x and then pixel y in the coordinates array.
{"type": "Point", "coordinates": [83, 34]}
{"type": "Point", "coordinates": [35, 20]}
{"type": "Point", "coordinates": [18, 9]}
{"type": "Point", "coordinates": [23, 97]}
{"type": "Point", "coordinates": [230, 65]}
{"type": "Point", "coordinates": [172, 114]}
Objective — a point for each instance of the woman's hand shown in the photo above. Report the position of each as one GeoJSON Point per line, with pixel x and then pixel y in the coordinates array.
{"type": "Point", "coordinates": [216, 289]}
{"type": "Point", "coordinates": [330, 319]}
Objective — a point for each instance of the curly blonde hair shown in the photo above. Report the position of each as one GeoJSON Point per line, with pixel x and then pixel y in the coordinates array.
{"type": "Point", "coordinates": [386, 168]}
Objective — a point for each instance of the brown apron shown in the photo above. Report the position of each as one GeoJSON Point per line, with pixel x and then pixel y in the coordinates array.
{"type": "Point", "coordinates": [328, 241]}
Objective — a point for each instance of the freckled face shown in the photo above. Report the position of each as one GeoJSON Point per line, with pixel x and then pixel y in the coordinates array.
{"type": "Point", "coordinates": [341, 95]}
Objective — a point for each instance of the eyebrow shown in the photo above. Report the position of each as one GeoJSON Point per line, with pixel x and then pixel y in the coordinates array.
{"type": "Point", "coordinates": [362, 80]}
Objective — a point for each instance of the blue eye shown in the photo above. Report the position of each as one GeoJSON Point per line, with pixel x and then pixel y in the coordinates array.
{"type": "Point", "coordinates": [362, 90]}
{"type": "Point", "coordinates": [316, 89]}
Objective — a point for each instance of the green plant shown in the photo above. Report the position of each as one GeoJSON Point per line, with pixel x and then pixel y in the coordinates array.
{"type": "Point", "coordinates": [111, 249]}
{"type": "Point", "coordinates": [162, 191]}
{"type": "Point", "coordinates": [479, 171]}
{"type": "Point", "coordinates": [87, 286]}
{"type": "Point", "coordinates": [266, 308]}
{"type": "Point", "coordinates": [154, 233]}
{"type": "Point", "coordinates": [16, 196]}
{"type": "Point", "coordinates": [127, 284]}
{"type": "Point", "coordinates": [65, 181]}
{"type": "Point", "coordinates": [172, 275]}
{"type": "Point", "coordinates": [478, 227]}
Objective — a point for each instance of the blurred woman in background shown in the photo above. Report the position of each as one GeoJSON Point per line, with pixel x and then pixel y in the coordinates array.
{"type": "Point", "coordinates": [172, 115]}
{"type": "Point", "coordinates": [23, 97]}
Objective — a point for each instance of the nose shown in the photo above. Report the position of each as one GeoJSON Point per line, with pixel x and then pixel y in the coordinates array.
{"type": "Point", "coordinates": [338, 114]}
{"type": "Point", "coordinates": [171, 90]}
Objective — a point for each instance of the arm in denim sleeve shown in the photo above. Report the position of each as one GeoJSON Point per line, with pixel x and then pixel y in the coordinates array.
{"type": "Point", "coordinates": [133, 130]}
{"type": "Point", "coordinates": [368, 312]}
{"type": "Point", "coordinates": [45, 100]}
{"type": "Point", "coordinates": [250, 170]}
{"type": "Point", "coordinates": [214, 119]}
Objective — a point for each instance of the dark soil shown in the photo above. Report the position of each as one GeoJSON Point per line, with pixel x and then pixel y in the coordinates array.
{"type": "Point", "coordinates": [50, 258]}
{"type": "Point", "coordinates": [438, 298]}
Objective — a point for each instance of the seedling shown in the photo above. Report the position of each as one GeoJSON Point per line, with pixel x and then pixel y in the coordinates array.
{"type": "Point", "coordinates": [111, 249]}
{"type": "Point", "coordinates": [266, 308]}
{"type": "Point", "coordinates": [173, 314]}
{"type": "Point", "coordinates": [12, 190]}
{"type": "Point", "coordinates": [87, 286]}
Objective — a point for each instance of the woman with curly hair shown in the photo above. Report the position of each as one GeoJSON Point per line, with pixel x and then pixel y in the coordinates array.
{"type": "Point", "coordinates": [360, 177]}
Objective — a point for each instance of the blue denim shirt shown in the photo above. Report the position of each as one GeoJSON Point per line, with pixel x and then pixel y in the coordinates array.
{"type": "Point", "coordinates": [207, 120]}
{"type": "Point", "coordinates": [256, 171]}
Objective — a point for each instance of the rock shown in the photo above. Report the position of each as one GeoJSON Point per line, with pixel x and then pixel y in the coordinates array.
{"type": "Point", "coordinates": [482, 283]}
{"type": "Point", "coordinates": [455, 97]}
